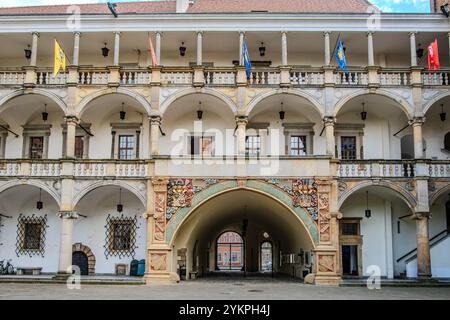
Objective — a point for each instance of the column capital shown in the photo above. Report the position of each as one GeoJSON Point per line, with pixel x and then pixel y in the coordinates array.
{"type": "Point", "coordinates": [68, 215]}
{"type": "Point", "coordinates": [284, 32]}
{"type": "Point", "coordinates": [155, 119]}
{"type": "Point", "coordinates": [327, 33]}
{"type": "Point", "coordinates": [412, 33]}
{"type": "Point", "coordinates": [370, 33]}
{"type": "Point", "coordinates": [336, 215]}
{"type": "Point", "coordinates": [77, 33]}
{"type": "Point", "coordinates": [200, 32]}
{"type": "Point", "coordinates": [241, 120]}
{"type": "Point", "coordinates": [242, 33]}
{"type": "Point", "coordinates": [417, 121]}
{"type": "Point", "coordinates": [71, 118]}
{"type": "Point", "coordinates": [329, 121]}
{"type": "Point", "coordinates": [35, 33]}
{"type": "Point", "coordinates": [421, 215]}
{"type": "Point", "coordinates": [119, 33]}
{"type": "Point", "coordinates": [160, 184]}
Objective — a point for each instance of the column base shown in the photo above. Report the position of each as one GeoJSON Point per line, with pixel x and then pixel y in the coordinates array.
{"type": "Point", "coordinates": [61, 276]}
{"type": "Point", "coordinates": [161, 278]}
{"type": "Point", "coordinates": [322, 280]}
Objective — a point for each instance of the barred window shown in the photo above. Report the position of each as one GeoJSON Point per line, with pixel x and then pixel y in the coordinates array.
{"type": "Point", "coordinates": [32, 240]}
{"type": "Point", "coordinates": [31, 232]}
{"type": "Point", "coordinates": [120, 236]}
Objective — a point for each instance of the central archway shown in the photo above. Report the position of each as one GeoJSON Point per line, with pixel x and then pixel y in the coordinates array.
{"type": "Point", "coordinates": [249, 213]}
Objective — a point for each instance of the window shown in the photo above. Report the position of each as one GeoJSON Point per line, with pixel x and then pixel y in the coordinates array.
{"type": "Point", "coordinates": [349, 229]}
{"type": "Point", "coordinates": [201, 145]}
{"type": "Point", "coordinates": [348, 148]}
{"type": "Point", "coordinates": [126, 147]}
{"type": "Point", "coordinates": [234, 256]}
{"type": "Point", "coordinates": [252, 146]}
{"type": "Point", "coordinates": [298, 146]}
{"type": "Point", "coordinates": [32, 240]}
{"type": "Point", "coordinates": [79, 147]}
{"type": "Point", "coordinates": [36, 147]}
{"type": "Point", "coordinates": [219, 257]}
{"type": "Point", "coordinates": [122, 235]}
{"type": "Point", "coordinates": [447, 141]}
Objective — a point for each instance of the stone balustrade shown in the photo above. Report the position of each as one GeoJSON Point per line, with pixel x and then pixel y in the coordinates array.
{"type": "Point", "coordinates": [135, 77]}
{"type": "Point", "coordinates": [395, 77]}
{"type": "Point", "coordinates": [436, 78]}
{"type": "Point", "coordinates": [14, 77]}
{"type": "Point", "coordinates": [372, 168]}
{"type": "Point", "coordinates": [352, 78]}
{"type": "Point", "coordinates": [313, 77]}
{"type": "Point", "coordinates": [220, 77]}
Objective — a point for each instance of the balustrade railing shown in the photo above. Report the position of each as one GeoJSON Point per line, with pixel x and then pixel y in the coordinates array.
{"type": "Point", "coordinates": [220, 77]}
{"type": "Point", "coordinates": [265, 77]}
{"type": "Point", "coordinates": [135, 77]}
{"type": "Point", "coordinates": [368, 169]}
{"type": "Point", "coordinates": [93, 77]}
{"type": "Point", "coordinates": [177, 77]}
{"type": "Point", "coordinates": [8, 169]}
{"type": "Point", "coordinates": [436, 78]}
{"type": "Point", "coordinates": [395, 77]}
{"type": "Point", "coordinates": [15, 77]}
{"type": "Point", "coordinates": [352, 78]}
{"type": "Point", "coordinates": [46, 169]}
{"type": "Point", "coordinates": [45, 77]}
{"type": "Point", "coordinates": [439, 170]}
{"type": "Point", "coordinates": [305, 77]}
{"type": "Point", "coordinates": [95, 168]}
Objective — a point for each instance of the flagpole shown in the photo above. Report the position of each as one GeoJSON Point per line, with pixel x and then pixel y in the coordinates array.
{"type": "Point", "coordinates": [335, 47]}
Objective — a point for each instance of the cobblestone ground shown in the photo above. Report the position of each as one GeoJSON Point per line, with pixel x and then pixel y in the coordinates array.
{"type": "Point", "coordinates": [215, 289]}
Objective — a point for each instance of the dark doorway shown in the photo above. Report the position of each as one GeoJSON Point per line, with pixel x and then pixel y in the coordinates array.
{"type": "Point", "coordinates": [80, 259]}
{"type": "Point", "coordinates": [350, 260]}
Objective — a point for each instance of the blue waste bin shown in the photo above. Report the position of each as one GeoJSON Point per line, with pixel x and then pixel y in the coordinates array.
{"type": "Point", "coordinates": [134, 268]}
{"type": "Point", "coordinates": [141, 268]}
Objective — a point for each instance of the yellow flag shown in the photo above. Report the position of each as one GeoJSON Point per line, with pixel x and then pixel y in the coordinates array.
{"type": "Point", "coordinates": [60, 59]}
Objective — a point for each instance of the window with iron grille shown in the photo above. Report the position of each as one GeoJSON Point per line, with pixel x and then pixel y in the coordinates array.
{"type": "Point", "coordinates": [31, 235]}
{"type": "Point", "coordinates": [349, 229]}
{"type": "Point", "coordinates": [121, 236]}
{"type": "Point", "coordinates": [36, 147]}
{"type": "Point", "coordinates": [298, 145]}
{"type": "Point", "coordinates": [252, 145]}
{"type": "Point", "coordinates": [348, 148]}
{"type": "Point", "coordinates": [126, 147]}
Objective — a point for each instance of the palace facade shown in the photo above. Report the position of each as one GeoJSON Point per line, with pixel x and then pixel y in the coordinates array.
{"type": "Point", "coordinates": [311, 169]}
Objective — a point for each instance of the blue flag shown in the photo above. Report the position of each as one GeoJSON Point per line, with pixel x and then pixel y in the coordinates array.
{"type": "Point", "coordinates": [247, 62]}
{"type": "Point", "coordinates": [340, 56]}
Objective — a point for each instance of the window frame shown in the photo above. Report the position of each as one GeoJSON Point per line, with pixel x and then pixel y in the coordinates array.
{"type": "Point", "coordinates": [190, 148]}
{"type": "Point", "coordinates": [129, 151]}
{"type": "Point", "coordinates": [247, 149]}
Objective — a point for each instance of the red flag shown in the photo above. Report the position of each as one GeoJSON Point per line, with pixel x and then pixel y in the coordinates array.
{"type": "Point", "coordinates": [433, 56]}
{"type": "Point", "coordinates": [152, 52]}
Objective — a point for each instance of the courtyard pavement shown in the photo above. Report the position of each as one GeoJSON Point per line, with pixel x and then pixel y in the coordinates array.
{"type": "Point", "coordinates": [217, 289]}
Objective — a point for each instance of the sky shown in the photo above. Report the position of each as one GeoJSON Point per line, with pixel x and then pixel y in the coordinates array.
{"type": "Point", "coordinates": [384, 5]}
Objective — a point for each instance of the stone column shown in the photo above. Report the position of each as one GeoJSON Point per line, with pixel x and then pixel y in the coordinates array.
{"type": "Point", "coordinates": [155, 122]}
{"type": "Point", "coordinates": [70, 136]}
{"type": "Point", "coordinates": [417, 124]}
{"type": "Point", "coordinates": [423, 246]}
{"type": "Point", "coordinates": [158, 48]}
{"type": "Point", "coordinates": [370, 58]}
{"type": "Point", "coordinates": [116, 48]}
{"type": "Point", "coordinates": [327, 48]}
{"type": "Point", "coordinates": [241, 134]}
{"type": "Point", "coordinates": [34, 49]}
{"type": "Point", "coordinates": [241, 45]}
{"type": "Point", "coordinates": [284, 50]}
{"type": "Point", "coordinates": [76, 48]}
{"type": "Point", "coordinates": [65, 249]}
{"type": "Point", "coordinates": [329, 133]}
{"type": "Point", "coordinates": [412, 41]}
{"type": "Point", "coordinates": [199, 48]}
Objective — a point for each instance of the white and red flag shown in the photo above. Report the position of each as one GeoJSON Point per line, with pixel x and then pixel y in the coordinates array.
{"type": "Point", "coordinates": [433, 56]}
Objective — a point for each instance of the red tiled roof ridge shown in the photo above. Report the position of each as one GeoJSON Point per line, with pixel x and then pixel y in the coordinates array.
{"type": "Point", "coordinates": [86, 4]}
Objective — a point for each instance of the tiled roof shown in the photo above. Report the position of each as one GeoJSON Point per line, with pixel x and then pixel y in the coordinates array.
{"type": "Point", "coordinates": [294, 6]}
{"type": "Point", "coordinates": [204, 6]}
{"type": "Point", "coordinates": [124, 7]}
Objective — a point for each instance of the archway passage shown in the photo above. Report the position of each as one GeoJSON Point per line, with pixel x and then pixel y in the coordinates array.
{"type": "Point", "coordinates": [249, 215]}
{"type": "Point", "coordinates": [266, 257]}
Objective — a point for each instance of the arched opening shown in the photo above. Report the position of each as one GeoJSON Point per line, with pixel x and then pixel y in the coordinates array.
{"type": "Point", "coordinates": [436, 129]}
{"type": "Point", "coordinates": [376, 229]}
{"type": "Point", "coordinates": [266, 257]}
{"type": "Point", "coordinates": [370, 126]}
{"type": "Point", "coordinates": [229, 252]}
{"type": "Point", "coordinates": [234, 221]}
{"type": "Point", "coordinates": [80, 260]}
{"type": "Point", "coordinates": [114, 125]}
{"type": "Point", "coordinates": [29, 127]}
{"type": "Point", "coordinates": [198, 124]}
{"type": "Point", "coordinates": [285, 124]}
{"type": "Point", "coordinates": [112, 226]}
{"type": "Point", "coordinates": [29, 236]}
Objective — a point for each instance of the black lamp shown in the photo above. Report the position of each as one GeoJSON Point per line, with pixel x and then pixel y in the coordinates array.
{"type": "Point", "coordinates": [28, 53]}
{"type": "Point", "coordinates": [105, 51]}
{"type": "Point", "coordinates": [45, 113]}
{"type": "Point", "coordinates": [40, 204]}
{"type": "Point", "coordinates": [368, 212]}
{"type": "Point", "coordinates": [363, 113]}
{"type": "Point", "coordinates": [282, 113]}
{"type": "Point", "coordinates": [445, 10]}
{"type": "Point", "coordinates": [420, 52]}
{"type": "Point", "coordinates": [262, 50]}
{"type": "Point", "coordinates": [122, 113]}
{"type": "Point", "coordinates": [443, 115]}
{"type": "Point", "coordinates": [182, 50]}
{"type": "Point", "coordinates": [199, 111]}
{"type": "Point", "coordinates": [120, 205]}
